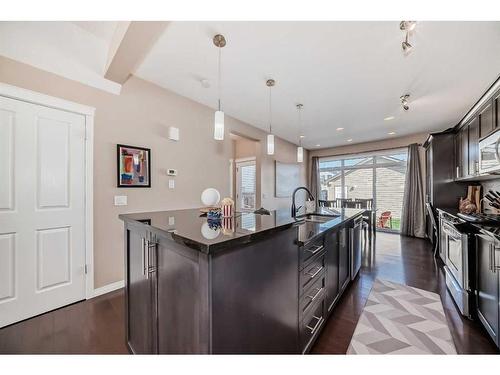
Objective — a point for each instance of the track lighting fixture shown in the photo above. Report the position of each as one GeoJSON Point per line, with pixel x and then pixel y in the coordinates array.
{"type": "Point", "coordinates": [407, 27]}
{"type": "Point", "coordinates": [404, 101]}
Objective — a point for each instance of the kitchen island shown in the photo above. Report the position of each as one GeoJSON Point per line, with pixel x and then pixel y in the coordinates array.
{"type": "Point", "coordinates": [247, 284]}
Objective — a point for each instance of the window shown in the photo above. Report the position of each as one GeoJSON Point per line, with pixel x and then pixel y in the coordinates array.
{"type": "Point", "coordinates": [379, 176]}
{"type": "Point", "coordinates": [245, 185]}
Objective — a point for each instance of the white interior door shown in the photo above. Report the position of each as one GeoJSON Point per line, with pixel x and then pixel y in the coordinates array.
{"type": "Point", "coordinates": [42, 209]}
{"type": "Point", "coordinates": [245, 185]}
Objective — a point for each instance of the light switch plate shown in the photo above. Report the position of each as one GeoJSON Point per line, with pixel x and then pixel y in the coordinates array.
{"type": "Point", "coordinates": [120, 200]}
{"type": "Point", "coordinates": [171, 184]}
{"type": "Point", "coordinates": [171, 220]}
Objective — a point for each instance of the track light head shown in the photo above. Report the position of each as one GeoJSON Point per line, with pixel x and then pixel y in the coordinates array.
{"type": "Point", "coordinates": [407, 47]}
{"type": "Point", "coordinates": [404, 101]}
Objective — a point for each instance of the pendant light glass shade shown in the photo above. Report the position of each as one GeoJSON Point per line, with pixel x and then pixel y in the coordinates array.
{"type": "Point", "coordinates": [219, 126]}
{"type": "Point", "coordinates": [270, 144]}
{"type": "Point", "coordinates": [300, 154]}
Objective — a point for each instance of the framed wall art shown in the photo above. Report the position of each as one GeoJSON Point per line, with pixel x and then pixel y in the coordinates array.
{"type": "Point", "coordinates": [133, 166]}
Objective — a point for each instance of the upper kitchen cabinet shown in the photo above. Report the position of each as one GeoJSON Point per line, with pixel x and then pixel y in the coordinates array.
{"type": "Point", "coordinates": [496, 110]}
{"type": "Point", "coordinates": [486, 119]}
{"type": "Point", "coordinates": [462, 143]}
{"type": "Point", "coordinates": [473, 146]}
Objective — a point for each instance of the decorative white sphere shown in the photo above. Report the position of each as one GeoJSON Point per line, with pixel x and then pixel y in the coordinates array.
{"type": "Point", "coordinates": [210, 197]}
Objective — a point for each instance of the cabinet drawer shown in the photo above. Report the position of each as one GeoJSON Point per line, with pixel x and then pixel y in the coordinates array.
{"type": "Point", "coordinates": [312, 272]}
{"type": "Point", "coordinates": [311, 325]}
{"type": "Point", "coordinates": [310, 250]}
{"type": "Point", "coordinates": [312, 295]}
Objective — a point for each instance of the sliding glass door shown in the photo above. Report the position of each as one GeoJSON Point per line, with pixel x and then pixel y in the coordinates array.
{"type": "Point", "coordinates": [377, 176]}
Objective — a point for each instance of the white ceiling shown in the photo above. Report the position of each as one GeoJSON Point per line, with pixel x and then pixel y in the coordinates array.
{"type": "Point", "coordinates": [75, 50]}
{"type": "Point", "coordinates": [347, 74]}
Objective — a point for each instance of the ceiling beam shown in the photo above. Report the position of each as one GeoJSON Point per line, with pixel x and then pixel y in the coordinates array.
{"type": "Point", "coordinates": [129, 46]}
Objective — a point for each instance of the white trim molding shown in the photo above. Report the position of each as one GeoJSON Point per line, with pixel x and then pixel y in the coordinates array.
{"type": "Point", "coordinates": [34, 97]}
{"type": "Point", "coordinates": [108, 288]}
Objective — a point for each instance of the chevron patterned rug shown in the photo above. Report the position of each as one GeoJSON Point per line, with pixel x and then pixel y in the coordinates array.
{"type": "Point", "coordinates": [398, 319]}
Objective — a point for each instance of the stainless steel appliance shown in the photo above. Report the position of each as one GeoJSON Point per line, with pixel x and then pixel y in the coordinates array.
{"type": "Point", "coordinates": [356, 246]}
{"type": "Point", "coordinates": [456, 251]}
{"type": "Point", "coordinates": [489, 154]}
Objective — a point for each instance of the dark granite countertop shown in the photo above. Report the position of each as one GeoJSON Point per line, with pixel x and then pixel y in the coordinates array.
{"type": "Point", "coordinates": [192, 230]}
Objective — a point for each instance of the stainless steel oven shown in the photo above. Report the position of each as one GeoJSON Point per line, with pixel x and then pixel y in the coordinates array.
{"type": "Point", "coordinates": [456, 250]}
{"type": "Point", "coordinates": [489, 154]}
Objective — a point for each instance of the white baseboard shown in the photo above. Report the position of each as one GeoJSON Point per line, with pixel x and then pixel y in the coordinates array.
{"type": "Point", "coordinates": [108, 288]}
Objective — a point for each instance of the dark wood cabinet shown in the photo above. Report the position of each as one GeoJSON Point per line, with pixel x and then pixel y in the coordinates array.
{"type": "Point", "coordinates": [140, 291]}
{"type": "Point", "coordinates": [332, 268]}
{"type": "Point", "coordinates": [486, 116]}
{"type": "Point", "coordinates": [474, 147]}
{"type": "Point", "coordinates": [272, 294]}
{"type": "Point", "coordinates": [344, 265]}
{"type": "Point", "coordinates": [487, 285]}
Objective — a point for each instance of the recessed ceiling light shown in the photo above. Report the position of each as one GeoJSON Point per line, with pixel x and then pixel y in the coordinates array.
{"type": "Point", "coordinates": [349, 140]}
{"type": "Point", "coordinates": [302, 136]}
{"type": "Point", "coordinates": [391, 133]}
{"type": "Point", "coordinates": [318, 145]}
{"type": "Point", "coordinates": [389, 118]}
{"type": "Point", "coordinates": [339, 129]}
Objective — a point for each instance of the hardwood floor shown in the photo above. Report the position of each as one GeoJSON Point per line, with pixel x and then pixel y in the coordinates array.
{"type": "Point", "coordinates": [407, 261]}
{"type": "Point", "coordinates": [96, 326]}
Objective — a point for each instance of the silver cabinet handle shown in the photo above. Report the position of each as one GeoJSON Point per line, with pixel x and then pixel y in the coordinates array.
{"type": "Point", "coordinates": [144, 264]}
{"type": "Point", "coordinates": [318, 292]}
{"type": "Point", "coordinates": [316, 326]}
{"type": "Point", "coordinates": [458, 172]}
{"type": "Point", "coordinates": [146, 257]}
{"type": "Point", "coordinates": [151, 246]}
{"type": "Point", "coordinates": [317, 249]}
{"type": "Point", "coordinates": [313, 275]}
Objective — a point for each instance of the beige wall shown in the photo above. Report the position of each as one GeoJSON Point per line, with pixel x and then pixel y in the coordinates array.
{"type": "Point", "coordinates": [141, 116]}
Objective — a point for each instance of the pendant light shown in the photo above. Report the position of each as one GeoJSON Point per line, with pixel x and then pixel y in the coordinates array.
{"type": "Point", "coordinates": [300, 149]}
{"type": "Point", "coordinates": [219, 42]}
{"type": "Point", "coordinates": [270, 137]}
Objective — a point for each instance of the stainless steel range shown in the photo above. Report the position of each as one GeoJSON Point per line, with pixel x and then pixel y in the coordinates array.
{"type": "Point", "coordinates": [456, 250]}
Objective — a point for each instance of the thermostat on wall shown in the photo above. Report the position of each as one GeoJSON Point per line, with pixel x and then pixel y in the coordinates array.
{"type": "Point", "coordinates": [172, 172]}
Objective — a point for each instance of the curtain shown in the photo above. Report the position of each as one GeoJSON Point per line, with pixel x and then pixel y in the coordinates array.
{"type": "Point", "coordinates": [413, 216]}
{"type": "Point", "coordinates": [315, 178]}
